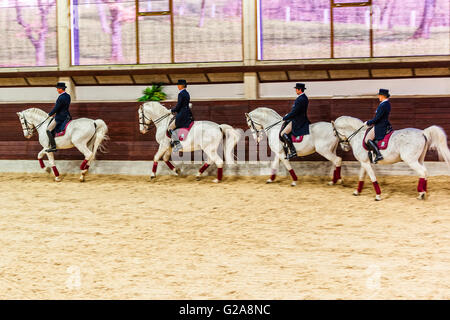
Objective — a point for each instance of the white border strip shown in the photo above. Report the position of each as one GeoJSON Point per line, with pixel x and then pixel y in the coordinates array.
{"type": "Point", "coordinates": [252, 168]}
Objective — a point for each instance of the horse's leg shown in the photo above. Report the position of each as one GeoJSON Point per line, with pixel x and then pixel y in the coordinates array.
{"type": "Point", "coordinates": [373, 178]}
{"type": "Point", "coordinates": [40, 157]}
{"type": "Point", "coordinates": [203, 168]}
{"type": "Point", "coordinates": [337, 162]}
{"type": "Point", "coordinates": [166, 158]}
{"type": "Point", "coordinates": [362, 176]}
{"type": "Point", "coordinates": [88, 155]}
{"type": "Point", "coordinates": [214, 157]}
{"type": "Point", "coordinates": [274, 167]}
{"type": "Point", "coordinates": [423, 174]}
{"type": "Point", "coordinates": [289, 168]}
{"type": "Point", "coordinates": [161, 151]}
{"type": "Point", "coordinates": [51, 159]}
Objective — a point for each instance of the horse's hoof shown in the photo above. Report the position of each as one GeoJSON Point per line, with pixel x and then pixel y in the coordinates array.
{"type": "Point", "coordinates": [269, 181]}
{"type": "Point", "coordinates": [421, 196]}
{"type": "Point", "coordinates": [82, 178]}
{"type": "Point", "coordinates": [293, 184]}
{"type": "Point", "coordinates": [57, 179]}
{"type": "Point", "coordinates": [340, 181]}
{"type": "Point", "coordinates": [198, 178]}
{"type": "Point", "coordinates": [377, 197]}
{"type": "Point", "coordinates": [330, 183]}
{"type": "Point", "coordinates": [355, 193]}
{"type": "Point", "coordinates": [217, 180]}
{"type": "Point", "coordinates": [177, 171]}
{"type": "Point", "coordinates": [48, 169]}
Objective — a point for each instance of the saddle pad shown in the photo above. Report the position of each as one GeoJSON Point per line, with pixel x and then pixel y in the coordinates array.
{"type": "Point", "coordinates": [182, 132]}
{"type": "Point", "coordinates": [382, 144]}
{"type": "Point", "coordinates": [296, 139]}
{"type": "Point", "coordinates": [63, 132]}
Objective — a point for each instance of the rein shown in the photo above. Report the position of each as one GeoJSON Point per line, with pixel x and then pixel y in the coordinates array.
{"type": "Point", "coordinates": [33, 128]}
{"type": "Point", "coordinates": [264, 129]}
{"type": "Point", "coordinates": [148, 126]}
{"type": "Point", "coordinates": [346, 140]}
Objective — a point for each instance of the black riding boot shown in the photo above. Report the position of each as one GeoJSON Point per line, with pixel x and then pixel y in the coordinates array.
{"type": "Point", "coordinates": [374, 147]}
{"type": "Point", "coordinates": [52, 142]}
{"type": "Point", "coordinates": [175, 143]}
{"type": "Point", "coordinates": [292, 152]}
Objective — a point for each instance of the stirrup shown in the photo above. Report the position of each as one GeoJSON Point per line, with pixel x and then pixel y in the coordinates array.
{"type": "Point", "coordinates": [51, 149]}
{"type": "Point", "coordinates": [177, 146]}
{"type": "Point", "coordinates": [290, 155]}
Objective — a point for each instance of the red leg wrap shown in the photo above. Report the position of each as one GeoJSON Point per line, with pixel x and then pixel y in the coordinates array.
{"type": "Point", "coordinates": [421, 185]}
{"type": "Point", "coordinates": [83, 164]}
{"type": "Point", "coordinates": [336, 174]}
{"type": "Point", "coordinates": [86, 167]}
{"type": "Point", "coordinates": [376, 186]}
{"type": "Point", "coordinates": [425, 185]}
{"type": "Point", "coordinates": [170, 165]}
{"type": "Point", "coordinates": [293, 175]}
{"type": "Point", "coordinates": [219, 173]}
{"type": "Point", "coordinates": [55, 171]}
{"type": "Point", "coordinates": [155, 165]}
{"type": "Point", "coordinates": [272, 177]}
{"type": "Point", "coordinates": [360, 186]}
{"type": "Point", "coordinates": [41, 163]}
{"type": "Point", "coordinates": [203, 168]}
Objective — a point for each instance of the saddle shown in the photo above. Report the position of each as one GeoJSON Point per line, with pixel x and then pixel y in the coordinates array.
{"type": "Point", "coordinates": [60, 129]}
{"type": "Point", "coordinates": [294, 139]}
{"type": "Point", "coordinates": [182, 133]}
{"type": "Point", "coordinates": [382, 144]}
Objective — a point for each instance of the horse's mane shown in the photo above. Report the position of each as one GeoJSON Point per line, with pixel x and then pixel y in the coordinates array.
{"type": "Point", "coordinates": [266, 111]}
{"type": "Point", "coordinates": [154, 105]}
{"type": "Point", "coordinates": [38, 112]}
{"type": "Point", "coordinates": [347, 121]}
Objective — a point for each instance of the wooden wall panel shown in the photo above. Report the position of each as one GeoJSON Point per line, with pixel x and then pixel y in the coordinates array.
{"type": "Point", "coordinates": [128, 144]}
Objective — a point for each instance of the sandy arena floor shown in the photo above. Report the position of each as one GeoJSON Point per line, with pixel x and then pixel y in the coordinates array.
{"type": "Point", "coordinates": [117, 237]}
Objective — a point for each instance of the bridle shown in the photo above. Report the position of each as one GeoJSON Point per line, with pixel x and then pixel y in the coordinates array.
{"type": "Point", "coordinates": [143, 117]}
{"type": "Point", "coordinates": [260, 131]}
{"type": "Point", "coordinates": [345, 139]}
{"type": "Point", "coordinates": [30, 129]}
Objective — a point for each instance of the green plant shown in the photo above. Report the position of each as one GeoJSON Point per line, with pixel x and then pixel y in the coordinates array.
{"type": "Point", "coordinates": [153, 93]}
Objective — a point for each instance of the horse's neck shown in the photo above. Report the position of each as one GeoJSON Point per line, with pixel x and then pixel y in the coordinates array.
{"type": "Point", "coordinates": [267, 118]}
{"type": "Point", "coordinates": [157, 113]}
{"type": "Point", "coordinates": [37, 117]}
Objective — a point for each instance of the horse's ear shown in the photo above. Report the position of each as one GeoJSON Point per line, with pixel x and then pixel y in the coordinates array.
{"type": "Point", "coordinates": [332, 122]}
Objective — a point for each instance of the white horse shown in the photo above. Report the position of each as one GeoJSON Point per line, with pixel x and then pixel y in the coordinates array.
{"type": "Point", "coordinates": [85, 134]}
{"type": "Point", "coordinates": [204, 135]}
{"type": "Point", "coordinates": [321, 140]}
{"type": "Point", "coordinates": [409, 145]}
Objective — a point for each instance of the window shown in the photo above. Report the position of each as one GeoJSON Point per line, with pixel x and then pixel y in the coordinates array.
{"type": "Point", "coordinates": [159, 31]}
{"type": "Point", "coordinates": [305, 29]}
{"type": "Point", "coordinates": [28, 33]}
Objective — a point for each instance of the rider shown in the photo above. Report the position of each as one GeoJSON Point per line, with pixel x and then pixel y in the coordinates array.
{"type": "Point", "coordinates": [296, 122]}
{"type": "Point", "coordinates": [184, 115]}
{"type": "Point", "coordinates": [61, 114]}
{"type": "Point", "coordinates": [381, 122]}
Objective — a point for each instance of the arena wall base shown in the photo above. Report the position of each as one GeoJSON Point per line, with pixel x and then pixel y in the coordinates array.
{"type": "Point", "coordinates": [251, 168]}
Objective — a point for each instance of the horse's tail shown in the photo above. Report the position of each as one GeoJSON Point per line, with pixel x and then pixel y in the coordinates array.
{"type": "Point", "coordinates": [437, 140]}
{"type": "Point", "coordinates": [100, 137]}
{"type": "Point", "coordinates": [232, 137]}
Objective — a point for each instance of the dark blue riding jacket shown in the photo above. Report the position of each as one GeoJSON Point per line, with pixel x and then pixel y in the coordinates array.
{"type": "Point", "coordinates": [184, 115]}
{"type": "Point", "coordinates": [61, 110]}
{"type": "Point", "coordinates": [299, 117]}
{"type": "Point", "coordinates": [381, 120]}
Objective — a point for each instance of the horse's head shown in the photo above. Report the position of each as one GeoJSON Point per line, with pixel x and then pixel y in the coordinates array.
{"type": "Point", "coordinates": [345, 128]}
{"type": "Point", "coordinates": [144, 122]}
{"type": "Point", "coordinates": [27, 127]}
{"type": "Point", "coordinates": [256, 128]}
